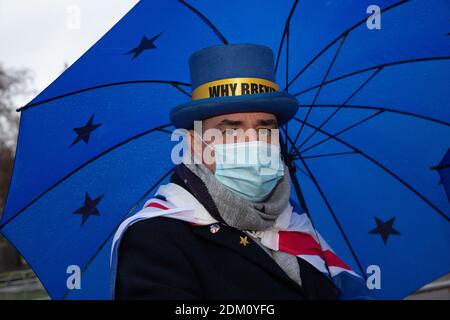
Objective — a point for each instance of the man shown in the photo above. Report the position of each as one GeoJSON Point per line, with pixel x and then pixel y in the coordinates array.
{"type": "Point", "coordinates": [225, 228]}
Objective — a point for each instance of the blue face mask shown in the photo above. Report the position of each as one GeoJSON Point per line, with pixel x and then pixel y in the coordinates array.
{"type": "Point", "coordinates": [250, 169]}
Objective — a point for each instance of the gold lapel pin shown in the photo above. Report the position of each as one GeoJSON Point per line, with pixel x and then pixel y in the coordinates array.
{"type": "Point", "coordinates": [244, 241]}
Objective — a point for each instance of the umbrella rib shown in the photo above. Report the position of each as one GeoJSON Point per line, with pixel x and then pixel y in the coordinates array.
{"type": "Point", "coordinates": [382, 167]}
{"type": "Point", "coordinates": [336, 220]}
{"type": "Point", "coordinates": [292, 170]}
{"type": "Point", "coordinates": [120, 221]}
{"type": "Point", "coordinates": [287, 59]}
{"type": "Point", "coordinates": [79, 168]}
{"type": "Point", "coordinates": [390, 110]}
{"type": "Point", "coordinates": [289, 156]}
{"type": "Point", "coordinates": [320, 88]}
{"type": "Point", "coordinates": [165, 131]}
{"type": "Point", "coordinates": [311, 176]}
{"type": "Point", "coordinates": [329, 155]}
{"type": "Point", "coordinates": [300, 169]}
{"type": "Point", "coordinates": [384, 65]}
{"type": "Point", "coordinates": [441, 167]}
{"type": "Point", "coordinates": [287, 69]}
{"type": "Point", "coordinates": [206, 21]}
{"type": "Point", "coordinates": [342, 131]}
{"type": "Point", "coordinates": [285, 30]}
{"type": "Point", "coordinates": [339, 37]}
{"type": "Point", "coordinates": [175, 84]}
{"type": "Point", "coordinates": [342, 105]}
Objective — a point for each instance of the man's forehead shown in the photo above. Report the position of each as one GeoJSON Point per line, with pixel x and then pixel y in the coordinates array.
{"type": "Point", "coordinates": [241, 119]}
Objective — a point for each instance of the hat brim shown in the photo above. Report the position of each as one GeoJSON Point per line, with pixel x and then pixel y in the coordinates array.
{"type": "Point", "coordinates": [282, 104]}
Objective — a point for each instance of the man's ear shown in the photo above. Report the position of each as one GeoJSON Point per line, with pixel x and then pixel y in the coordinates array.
{"type": "Point", "coordinates": [191, 140]}
{"type": "Point", "coordinates": [195, 146]}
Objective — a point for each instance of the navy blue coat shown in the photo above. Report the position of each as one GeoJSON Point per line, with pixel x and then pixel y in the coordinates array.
{"type": "Point", "coordinates": [162, 258]}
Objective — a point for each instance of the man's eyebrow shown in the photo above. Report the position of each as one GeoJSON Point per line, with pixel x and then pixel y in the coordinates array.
{"type": "Point", "coordinates": [228, 122]}
{"type": "Point", "coordinates": [267, 122]}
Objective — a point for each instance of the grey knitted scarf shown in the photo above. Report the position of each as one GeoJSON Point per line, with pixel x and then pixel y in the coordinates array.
{"type": "Point", "coordinates": [241, 213]}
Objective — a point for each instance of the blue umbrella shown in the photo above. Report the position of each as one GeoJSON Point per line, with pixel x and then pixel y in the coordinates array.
{"type": "Point", "coordinates": [368, 150]}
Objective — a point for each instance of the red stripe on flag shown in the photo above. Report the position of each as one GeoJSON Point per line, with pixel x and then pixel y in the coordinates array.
{"type": "Point", "coordinates": [298, 243]}
{"type": "Point", "coordinates": [334, 261]}
{"type": "Point", "coordinates": [156, 205]}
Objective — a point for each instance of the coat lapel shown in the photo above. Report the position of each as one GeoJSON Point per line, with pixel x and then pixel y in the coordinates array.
{"type": "Point", "coordinates": [230, 237]}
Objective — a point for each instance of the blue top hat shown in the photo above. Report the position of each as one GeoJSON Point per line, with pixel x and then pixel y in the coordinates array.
{"type": "Point", "coordinates": [233, 78]}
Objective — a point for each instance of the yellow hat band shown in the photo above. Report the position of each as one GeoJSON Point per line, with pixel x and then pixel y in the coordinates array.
{"type": "Point", "coordinates": [233, 87]}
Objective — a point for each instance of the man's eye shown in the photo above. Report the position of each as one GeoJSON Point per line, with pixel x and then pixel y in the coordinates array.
{"type": "Point", "coordinates": [264, 132]}
{"type": "Point", "coordinates": [230, 132]}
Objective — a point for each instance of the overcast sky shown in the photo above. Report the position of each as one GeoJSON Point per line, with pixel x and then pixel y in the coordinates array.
{"type": "Point", "coordinates": [43, 35]}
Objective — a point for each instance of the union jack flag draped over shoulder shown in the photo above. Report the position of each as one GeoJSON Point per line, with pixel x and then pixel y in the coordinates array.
{"type": "Point", "coordinates": [292, 233]}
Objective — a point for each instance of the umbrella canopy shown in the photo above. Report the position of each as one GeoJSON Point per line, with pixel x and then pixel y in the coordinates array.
{"type": "Point", "coordinates": [367, 149]}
